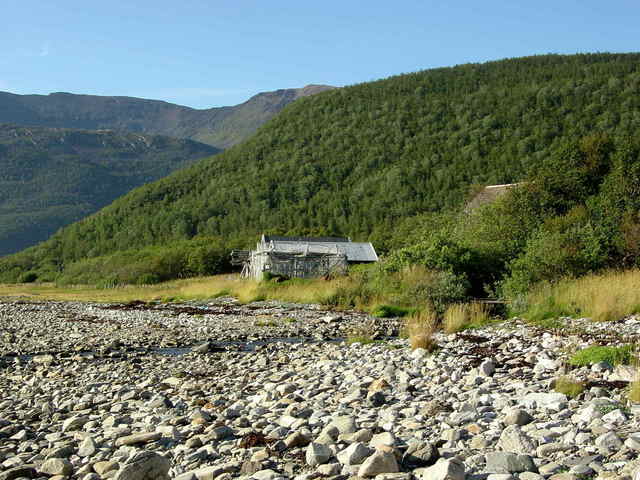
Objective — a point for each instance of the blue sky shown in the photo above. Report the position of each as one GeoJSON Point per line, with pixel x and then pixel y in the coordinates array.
{"type": "Point", "coordinates": [212, 53]}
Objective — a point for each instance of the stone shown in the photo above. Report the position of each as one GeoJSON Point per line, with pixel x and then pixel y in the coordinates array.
{"type": "Point", "coordinates": [22, 471]}
{"type": "Point", "coordinates": [551, 448]}
{"type": "Point", "coordinates": [382, 439]}
{"type": "Point", "coordinates": [530, 476]}
{"type": "Point", "coordinates": [74, 423]}
{"type": "Point", "coordinates": [329, 469]}
{"type": "Point", "coordinates": [266, 474]}
{"type": "Point", "coordinates": [143, 437]}
{"type": "Point", "coordinates": [625, 373]}
{"type": "Point", "coordinates": [296, 440]}
{"type": "Point", "coordinates": [354, 454]}
{"type": "Point", "coordinates": [513, 439]}
{"type": "Point", "coordinates": [444, 469]}
{"type": "Point", "coordinates": [380, 462]}
{"type": "Point", "coordinates": [250, 467]}
{"type": "Point", "coordinates": [222, 432]}
{"type": "Point", "coordinates": [419, 454]}
{"type": "Point", "coordinates": [344, 424]}
{"type": "Point", "coordinates": [56, 466]}
{"type": "Point", "coordinates": [541, 400]}
{"type": "Point", "coordinates": [517, 416]}
{"type": "Point", "coordinates": [202, 348]}
{"type": "Point", "coordinates": [87, 447]}
{"type": "Point", "coordinates": [144, 466]}
{"type": "Point", "coordinates": [376, 399]}
{"type": "Point", "coordinates": [43, 359]}
{"type": "Point", "coordinates": [419, 353]}
{"type": "Point", "coordinates": [106, 466]}
{"type": "Point", "coordinates": [617, 417]}
{"type": "Point", "coordinates": [609, 441]}
{"type": "Point", "coordinates": [487, 368]}
{"type": "Point", "coordinates": [379, 385]}
{"type": "Point", "coordinates": [317, 454]}
{"type": "Point", "coordinates": [508, 462]}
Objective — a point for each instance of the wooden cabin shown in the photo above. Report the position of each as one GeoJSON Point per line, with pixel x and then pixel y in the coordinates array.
{"type": "Point", "coordinates": [302, 257]}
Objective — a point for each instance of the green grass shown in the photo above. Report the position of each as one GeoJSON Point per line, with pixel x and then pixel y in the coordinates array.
{"type": "Point", "coordinates": [614, 355]}
{"type": "Point", "coordinates": [570, 387]}
{"type": "Point", "coordinates": [386, 311]}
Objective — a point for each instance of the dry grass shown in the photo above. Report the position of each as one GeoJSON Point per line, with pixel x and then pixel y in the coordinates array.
{"type": "Point", "coordinates": [188, 289]}
{"type": "Point", "coordinates": [634, 391]}
{"type": "Point", "coordinates": [465, 315]}
{"type": "Point", "coordinates": [420, 327]}
{"type": "Point", "coordinates": [602, 297]}
{"type": "Point", "coordinates": [305, 291]}
{"type": "Point", "coordinates": [455, 318]}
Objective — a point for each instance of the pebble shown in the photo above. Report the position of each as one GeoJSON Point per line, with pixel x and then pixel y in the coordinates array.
{"type": "Point", "coordinates": [218, 390]}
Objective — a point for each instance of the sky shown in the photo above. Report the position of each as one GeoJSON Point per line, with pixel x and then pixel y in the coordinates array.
{"type": "Point", "coordinates": [208, 53]}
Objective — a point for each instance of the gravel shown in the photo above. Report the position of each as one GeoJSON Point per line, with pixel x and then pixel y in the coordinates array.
{"type": "Point", "coordinates": [268, 391]}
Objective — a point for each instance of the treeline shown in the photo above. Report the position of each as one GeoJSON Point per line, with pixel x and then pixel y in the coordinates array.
{"type": "Point", "coordinates": [577, 213]}
{"type": "Point", "coordinates": [369, 161]}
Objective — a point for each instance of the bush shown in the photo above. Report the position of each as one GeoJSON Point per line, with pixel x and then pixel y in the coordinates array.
{"type": "Point", "coordinates": [28, 277]}
{"type": "Point", "coordinates": [386, 311]}
{"type": "Point", "coordinates": [614, 355]}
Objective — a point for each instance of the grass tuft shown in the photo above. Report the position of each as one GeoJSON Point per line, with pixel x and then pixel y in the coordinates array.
{"type": "Point", "coordinates": [462, 316]}
{"type": "Point", "coordinates": [634, 391]}
{"type": "Point", "coordinates": [420, 327]}
{"type": "Point", "coordinates": [570, 387]}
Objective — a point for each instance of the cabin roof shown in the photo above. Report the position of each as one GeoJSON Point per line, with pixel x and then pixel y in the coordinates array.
{"type": "Point", "coordinates": [279, 238]}
{"type": "Point", "coordinates": [489, 194]}
{"type": "Point", "coordinates": [355, 251]}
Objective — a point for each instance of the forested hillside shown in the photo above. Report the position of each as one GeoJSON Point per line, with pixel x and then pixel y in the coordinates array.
{"type": "Point", "coordinates": [363, 160]}
{"type": "Point", "coordinates": [52, 177]}
{"type": "Point", "coordinates": [220, 127]}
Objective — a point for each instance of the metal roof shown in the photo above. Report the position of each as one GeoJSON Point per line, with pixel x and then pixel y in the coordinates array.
{"type": "Point", "coordinates": [278, 238]}
{"type": "Point", "coordinates": [355, 251]}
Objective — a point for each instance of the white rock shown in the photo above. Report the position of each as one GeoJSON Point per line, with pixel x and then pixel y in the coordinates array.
{"type": "Point", "coordinates": [444, 469]}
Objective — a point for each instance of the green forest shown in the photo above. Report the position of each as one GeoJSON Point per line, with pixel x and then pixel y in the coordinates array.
{"type": "Point", "coordinates": [52, 177]}
{"type": "Point", "coordinates": [393, 161]}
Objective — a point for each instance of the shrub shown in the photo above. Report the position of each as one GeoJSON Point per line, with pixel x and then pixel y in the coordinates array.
{"type": "Point", "coordinates": [385, 311]}
{"type": "Point", "coordinates": [28, 277]}
{"type": "Point", "coordinates": [420, 327]}
{"type": "Point", "coordinates": [614, 355]}
{"type": "Point", "coordinates": [570, 387]}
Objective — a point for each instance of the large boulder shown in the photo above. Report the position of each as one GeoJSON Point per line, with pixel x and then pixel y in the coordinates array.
{"type": "Point", "coordinates": [144, 466]}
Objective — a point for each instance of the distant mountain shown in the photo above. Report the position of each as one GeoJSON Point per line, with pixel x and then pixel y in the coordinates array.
{"type": "Point", "coordinates": [220, 127]}
{"type": "Point", "coordinates": [51, 177]}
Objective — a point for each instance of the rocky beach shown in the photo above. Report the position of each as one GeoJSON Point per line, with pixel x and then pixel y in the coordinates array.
{"type": "Point", "coordinates": [265, 391]}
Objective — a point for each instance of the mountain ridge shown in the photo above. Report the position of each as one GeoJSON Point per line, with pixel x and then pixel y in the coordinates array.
{"type": "Point", "coordinates": [220, 127]}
